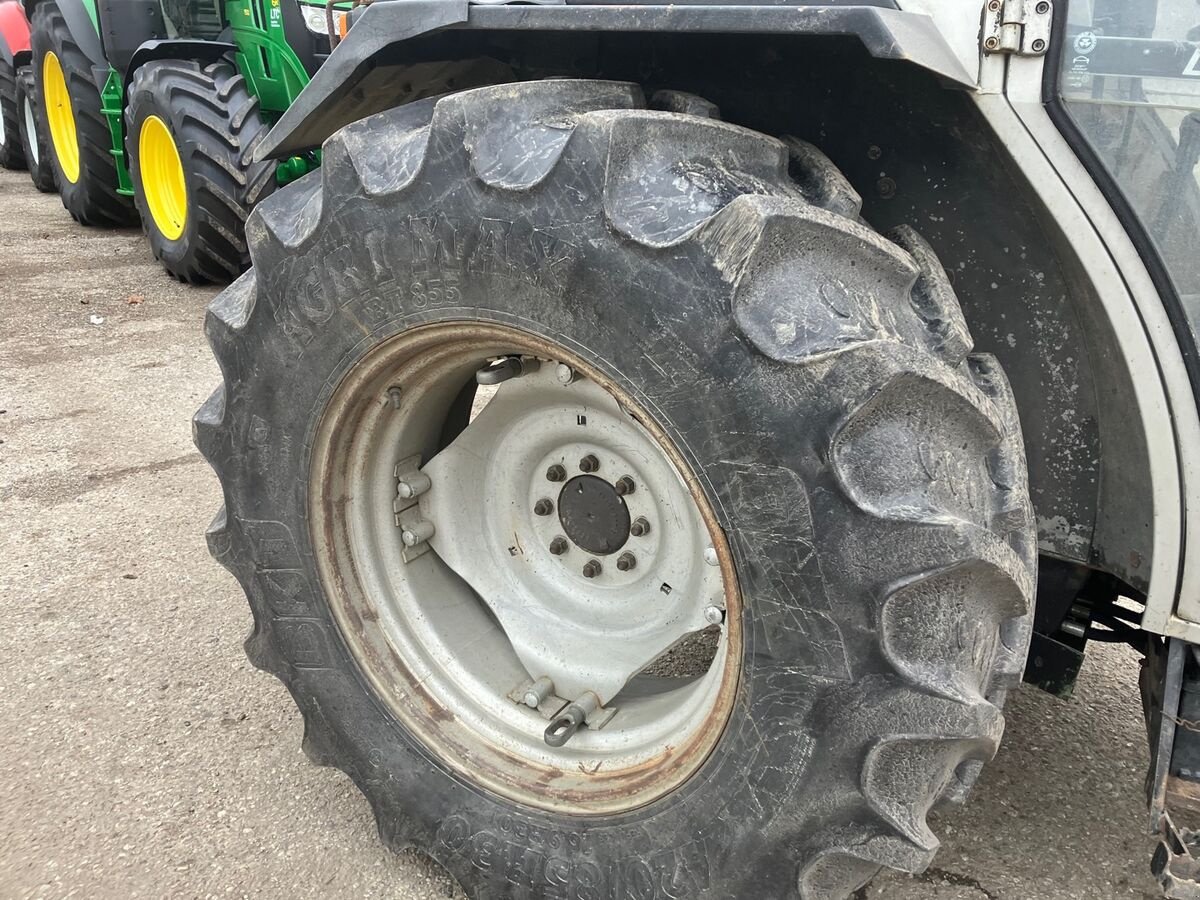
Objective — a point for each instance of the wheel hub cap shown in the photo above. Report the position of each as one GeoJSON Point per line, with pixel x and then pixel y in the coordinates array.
{"type": "Point", "coordinates": [593, 515]}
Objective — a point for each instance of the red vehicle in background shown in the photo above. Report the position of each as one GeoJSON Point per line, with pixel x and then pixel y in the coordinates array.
{"type": "Point", "coordinates": [22, 144]}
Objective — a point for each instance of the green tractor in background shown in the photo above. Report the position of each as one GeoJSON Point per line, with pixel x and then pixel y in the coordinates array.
{"type": "Point", "coordinates": [154, 108]}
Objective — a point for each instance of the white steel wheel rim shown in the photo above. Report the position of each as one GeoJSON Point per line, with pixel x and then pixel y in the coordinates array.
{"type": "Point", "coordinates": [30, 129]}
{"type": "Point", "coordinates": [444, 657]}
{"type": "Point", "coordinates": [3, 133]}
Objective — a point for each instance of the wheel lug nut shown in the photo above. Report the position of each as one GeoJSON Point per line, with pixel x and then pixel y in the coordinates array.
{"type": "Point", "coordinates": [640, 527]}
{"type": "Point", "coordinates": [589, 464]}
{"type": "Point", "coordinates": [543, 507]}
{"type": "Point", "coordinates": [625, 485]}
{"type": "Point", "coordinates": [714, 615]}
{"type": "Point", "coordinates": [556, 473]}
{"type": "Point", "coordinates": [626, 561]}
{"type": "Point", "coordinates": [710, 556]}
{"type": "Point", "coordinates": [558, 546]}
{"type": "Point", "coordinates": [564, 373]}
{"type": "Point", "coordinates": [591, 568]}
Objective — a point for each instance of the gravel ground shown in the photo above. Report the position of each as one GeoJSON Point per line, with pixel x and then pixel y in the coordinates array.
{"type": "Point", "coordinates": [143, 756]}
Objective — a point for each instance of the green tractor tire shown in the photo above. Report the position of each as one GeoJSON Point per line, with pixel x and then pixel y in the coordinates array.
{"type": "Point", "coordinates": [72, 116]}
{"type": "Point", "coordinates": [192, 131]}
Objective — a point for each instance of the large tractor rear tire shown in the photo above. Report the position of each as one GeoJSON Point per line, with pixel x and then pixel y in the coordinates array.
{"type": "Point", "coordinates": [192, 133]}
{"type": "Point", "coordinates": [72, 116]}
{"type": "Point", "coordinates": [34, 143]}
{"type": "Point", "coordinates": [11, 156]}
{"type": "Point", "coordinates": [728, 412]}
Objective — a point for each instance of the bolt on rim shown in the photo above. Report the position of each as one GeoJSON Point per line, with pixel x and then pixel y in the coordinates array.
{"type": "Point", "coordinates": [556, 549]}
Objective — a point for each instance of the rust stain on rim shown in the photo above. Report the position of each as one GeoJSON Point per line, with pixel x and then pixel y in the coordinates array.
{"type": "Point", "coordinates": [485, 764]}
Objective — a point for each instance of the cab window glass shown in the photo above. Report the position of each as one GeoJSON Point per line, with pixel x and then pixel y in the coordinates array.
{"type": "Point", "coordinates": [1130, 78]}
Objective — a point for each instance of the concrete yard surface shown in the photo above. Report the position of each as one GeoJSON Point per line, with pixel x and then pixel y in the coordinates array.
{"type": "Point", "coordinates": [142, 755]}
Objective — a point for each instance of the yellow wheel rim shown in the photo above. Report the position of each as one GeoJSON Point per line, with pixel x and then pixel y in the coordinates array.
{"type": "Point", "coordinates": [163, 184]}
{"type": "Point", "coordinates": [61, 117]}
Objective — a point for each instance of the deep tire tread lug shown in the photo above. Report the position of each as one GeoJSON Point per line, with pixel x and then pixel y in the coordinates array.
{"type": "Point", "coordinates": [208, 425]}
{"type": "Point", "coordinates": [820, 181]}
{"type": "Point", "coordinates": [934, 300]}
{"type": "Point", "coordinates": [685, 103]}
{"type": "Point", "coordinates": [514, 134]}
{"type": "Point", "coordinates": [667, 175]}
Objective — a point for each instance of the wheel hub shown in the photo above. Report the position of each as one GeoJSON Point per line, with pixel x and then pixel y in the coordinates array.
{"type": "Point", "coordinates": [575, 615]}
{"type": "Point", "coordinates": [593, 515]}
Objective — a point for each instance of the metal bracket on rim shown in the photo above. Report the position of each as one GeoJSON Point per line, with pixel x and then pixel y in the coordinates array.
{"type": "Point", "coordinates": [506, 367]}
{"type": "Point", "coordinates": [548, 703]}
{"type": "Point", "coordinates": [587, 709]}
{"type": "Point", "coordinates": [411, 482]}
{"type": "Point", "coordinates": [584, 710]}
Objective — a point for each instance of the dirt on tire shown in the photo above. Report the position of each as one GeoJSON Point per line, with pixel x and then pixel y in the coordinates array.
{"type": "Point", "coordinates": [866, 466]}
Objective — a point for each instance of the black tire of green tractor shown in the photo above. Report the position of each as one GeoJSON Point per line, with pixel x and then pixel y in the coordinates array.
{"type": "Point", "coordinates": [216, 125]}
{"type": "Point", "coordinates": [11, 156]}
{"type": "Point", "coordinates": [874, 492]}
{"type": "Point", "coordinates": [93, 198]}
{"type": "Point", "coordinates": [35, 145]}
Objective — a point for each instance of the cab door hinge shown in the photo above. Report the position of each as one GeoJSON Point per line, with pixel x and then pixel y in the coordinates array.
{"type": "Point", "coordinates": [1020, 27]}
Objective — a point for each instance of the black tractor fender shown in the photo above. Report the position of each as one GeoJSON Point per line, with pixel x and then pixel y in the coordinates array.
{"type": "Point", "coordinates": [353, 83]}
{"type": "Point", "coordinates": [16, 60]}
{"type": "Point", "coordinates": [13, 27]}
{"type": "Point", "coordinates": [83, 31]}
{"type": "Point", "coordinates": [179, 48]}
